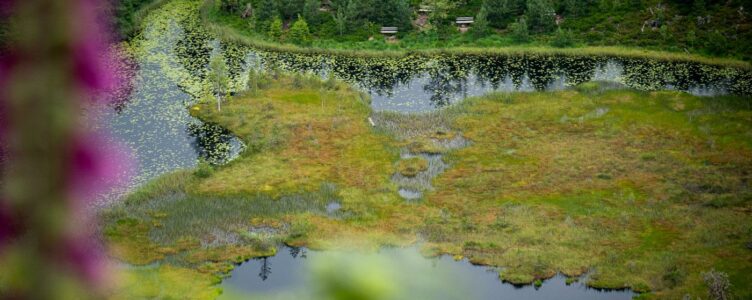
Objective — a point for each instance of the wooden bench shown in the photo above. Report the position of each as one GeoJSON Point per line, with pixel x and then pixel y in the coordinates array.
{"type": "Point", "coordinates": [465, 20]}
{"type": "Point", "coordinates": [464, 23]}
{"type": "Point", "coordinates": [389, 30]}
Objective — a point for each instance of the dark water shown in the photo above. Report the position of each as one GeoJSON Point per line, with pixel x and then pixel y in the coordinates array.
{"type": "Point", "coordinates": [434, 278]}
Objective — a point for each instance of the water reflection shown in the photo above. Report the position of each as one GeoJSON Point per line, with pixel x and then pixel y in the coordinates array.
{"type": "Point", "coordinates": [289, 272]}
{"type": "Point", "coordinates": [214, 143]}
{"type": "Point", "coordinates": [419, 83]}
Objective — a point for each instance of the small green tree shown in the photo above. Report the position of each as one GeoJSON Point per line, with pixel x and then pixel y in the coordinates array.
{"type": "Point", "coordinates": [344, 16]}
{"type": "Point", "coordinates": [267, 10]}
{"type": "Point", "coordinates": [299, 32]}
{"type": "Point", "coordinates": [311, 12]}
{"type": "Point", "coordinates": [691, 38]}
{"type": "Point", "coordinates": [563, 38]}
{"type": "Point", "coordinates": [275, 29]}
{"type": "Point", "coordinates": [500, 12]}
{"type": "Point", "coordinates": [716, 43]}
{"type": "Point", "coordinates": [439, 9]}
{"type": "Point", "coordinates": [574, 8]}
{"type": "Point", "coordinates": [219, 79]}
{"type": "Point", "coordinates": [541, 15]}
{"type": "Point", "coordinates": [519, 30]}
{"type": "Point", "coordinates": [480, 28]}
{"type": "Point", "coordinates": [290, 8]}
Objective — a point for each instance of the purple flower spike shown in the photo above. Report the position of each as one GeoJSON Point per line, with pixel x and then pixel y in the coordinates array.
{"type": "Point", "coordinates": [97, 166]}
{"type": "Point", "coordinates": [84, 256]}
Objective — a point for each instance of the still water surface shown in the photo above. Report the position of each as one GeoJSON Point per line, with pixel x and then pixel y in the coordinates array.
{"type": "Point", "coordinates": [411, 275]}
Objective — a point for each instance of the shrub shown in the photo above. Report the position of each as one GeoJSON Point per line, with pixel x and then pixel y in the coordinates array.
{"type": "Point", "coordinates": [203, 170]}
{"type": "Point", "coordinates": [718, 285]}
{"type": "Point", "coordinates": [674, 276]}
{"type": "Point", "coordinates": [563, 38]}
{"type": "Point", "coordinates": [519, 30]}
{"type": "Point", "coordinates": [275, 29]}
{"type": "Point", "coordinates": [480, 27]}
{"type": "Point", "coordinates": [299, 32]}
{"type": "Point", "coordinates": [541, 14]}
{"type": "Point", "coordinates": [717, 43]}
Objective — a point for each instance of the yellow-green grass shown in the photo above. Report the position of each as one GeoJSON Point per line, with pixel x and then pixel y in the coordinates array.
{"type": "Point", "coordinates": [616, 183]}
{"type": "Point", "coordinates": [639, 190]}
{"type": "Point", "coordinates": [302, 138]}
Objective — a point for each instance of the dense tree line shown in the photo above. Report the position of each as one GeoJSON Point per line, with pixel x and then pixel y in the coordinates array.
{"type": "Point", "coordinates": [712, 26]}
{"type": "Point", "coordinates": [346, 15]}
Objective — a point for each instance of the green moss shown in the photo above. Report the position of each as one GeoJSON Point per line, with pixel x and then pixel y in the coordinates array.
{"type": "Point", "coordinates": [412, 166]}
{"type": "Point", "coordinates": [517, 279]}
{"type": "Point", "coordinates": [166, 282]}
{"type": "Point", "coordinates": [538, 283]}
{"type": "Point", "coordinates": [425, 146]}
{"type": "Point", "coordinates": [231, 254]}
{"type": "Point", "coordinates": [128, 240]}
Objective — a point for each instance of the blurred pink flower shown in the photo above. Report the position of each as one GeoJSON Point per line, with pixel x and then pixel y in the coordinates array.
{"type": "Point", "coordinates": [9, 226]}
{"type": "Point", "coordinates": [94, 164]}
{"type": "Point", "coordinates": [84, 255]}
{"type": "Point", "coordinates": [97, 165]}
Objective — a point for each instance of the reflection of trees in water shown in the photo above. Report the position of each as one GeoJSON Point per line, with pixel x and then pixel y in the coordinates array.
{"type": "Point", "coordinates": [266, 269]}
{"type": "Point", "coordinates": [449, 74]}
{"type": "Point", "coordinates": [293, 62]}
{"type": "Point", "coordinates": [646, 74]}
{"type": "Point", "coordinates": [578, 69]}
{"type": "Point", "coordinates": [234, 55]}
{"type": "Point", "coordinates": [297, 251]}
{"type": "Point", "coordinates": [446, 82]}
{"type": "Point", "coordinates": [492, 69]}
{"type": "Point", "coordinates": [541, 70]}
{"type": "Point", "coordinates": [212, 142]}
{"type": "Point", "coordinates": [193, 49]}
{"type": "Point", "coordinates": [378, 75]}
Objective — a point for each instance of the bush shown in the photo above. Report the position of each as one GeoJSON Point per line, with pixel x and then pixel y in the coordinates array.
{"type": "Point", "coordinates": [299, 32]}
{"type": "Point", "coordinates": [717, 43]}
{"type": "Point", "coordinates": [203, 170]}
{"type": "Point", "coordinates": [718, 285]}
{"type": "Point", "coordinates": [275, 29]}
{"type": "Point", "coordinates": [541, 14]}
{"type": "Point", "coordinates": [519, 30]}
{"type": "Point", "coordinates": [481, 23]}
{"type": "Point", "coordinates": [674, 276]}
{"type": "Point", "coordinates": [563, 38]}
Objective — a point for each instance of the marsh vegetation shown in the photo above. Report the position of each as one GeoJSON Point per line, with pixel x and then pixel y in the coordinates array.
{"type": "Point", "coordinates": [536, 164]}
{"type": "Point", "coordinates": [640, 190]}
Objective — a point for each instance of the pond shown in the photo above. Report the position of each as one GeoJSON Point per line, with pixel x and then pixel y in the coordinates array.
{"type": "Point", "coordinates": [409, 274]}
{"type": "Point", "coordinates": [172, 55]}
{"type": "Point", "coordinates": [173, 52]}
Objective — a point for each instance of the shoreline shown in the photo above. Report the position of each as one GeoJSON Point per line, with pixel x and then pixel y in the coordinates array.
{"type": "Point", "coordinates": [230, 34]}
